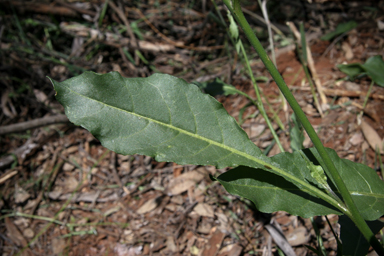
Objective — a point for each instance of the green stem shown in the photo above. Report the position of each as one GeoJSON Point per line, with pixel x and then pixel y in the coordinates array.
{"type": "Point", "coordinates": [304, 63]}
{"type": "Point", "coordinates": [259, 103]}
{"type": "Point", "coordinates": [352, 212]}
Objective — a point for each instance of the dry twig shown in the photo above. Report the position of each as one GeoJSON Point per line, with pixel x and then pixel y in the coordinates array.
{"type": "Point", "coordinates": [180, 45]}
{"type": "Point", "coordinates": [311, 65]}
{"type": "Point", "coordinates": [23, 126]}
{"type": "Point", "coordinates": [127, 26]}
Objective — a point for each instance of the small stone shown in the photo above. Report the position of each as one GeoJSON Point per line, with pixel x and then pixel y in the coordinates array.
{"type": "Point", "coordinates": [67, 167]}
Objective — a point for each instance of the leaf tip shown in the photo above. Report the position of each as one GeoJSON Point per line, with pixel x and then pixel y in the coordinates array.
{"type": "Point", "coordinates": [53, 84]}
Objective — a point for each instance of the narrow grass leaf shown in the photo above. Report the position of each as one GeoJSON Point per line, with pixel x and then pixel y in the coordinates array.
{"type": "Point", "coordinates": [340, 29]}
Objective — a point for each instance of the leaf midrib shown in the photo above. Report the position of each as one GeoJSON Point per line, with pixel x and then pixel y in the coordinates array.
{"type": "Point", "coordinates": [221, 145]}
{"type": "Point", "coordinates": [279, 171]}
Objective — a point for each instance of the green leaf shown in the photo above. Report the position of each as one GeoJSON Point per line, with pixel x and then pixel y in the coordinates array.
{"type": "Point", "coordinates": [351, 70]}
{"type": "Point", "coordinates": [166, 118]}
{"type": "Point", "coordinates": [216, 87]}
{"type": "Point", "coordinates": [365, 186]}
{"type": "Point", "coordinates": [354, 243]}
{"type": "Point", "coordinates": [340, 29]}
{"type": "Point", "coordinates": [171, 120]}
{"type": "Point", "coordinates": [373, 67]}
{"type": "Point", "coordinates": [271, 193]}
{"type": "Point", "coordinates": [160, 116]}
{"type": "Point", "coordinates": [296, 133]}
{"type": "Point", "coordinates": [136, 29]}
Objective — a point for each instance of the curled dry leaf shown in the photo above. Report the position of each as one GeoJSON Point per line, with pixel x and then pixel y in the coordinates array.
{"type": "Point", "coordinates": [372, 137]}
{"type": "Point", "coordinates": [14, 234]}
{"type": "Point", "coordinates": [214, 243]}
{"type": "Point", "coordinates": [171, 245]}
{"type": "Point", "coordinates": [298, 236]}
{"type": "Point", "coordinates": [347, 50]}
{"type": "Point", "coordinates": [21, 195]}
{"type": "Point", "coordinates": [186, 180]}
{"type": "Point", "coordinates": [58, 245]}
{"type": "Point", "coordinates": [356, 139]}
{"type": "Point", "coordinates": [149, 205]}
{"type": "Point", "coordinates": [231, 250]}
{"type": "Point", "coordinates": [204, 209]}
